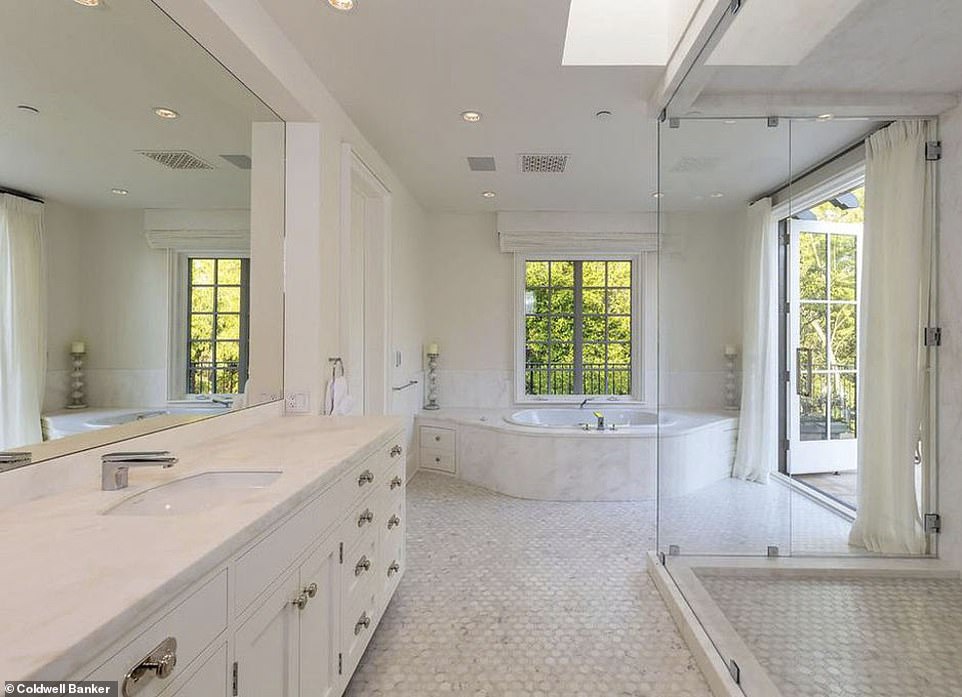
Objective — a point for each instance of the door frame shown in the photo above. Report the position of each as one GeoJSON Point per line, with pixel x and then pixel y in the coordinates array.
{"type": "Point", "coordinates": [356, 175]}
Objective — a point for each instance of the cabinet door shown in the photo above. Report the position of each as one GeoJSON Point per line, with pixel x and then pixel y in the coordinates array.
{"type": "Point", "coordinates": [319, 622]}
{"type": "Point", "coordinates": [209, 680]}
{"type": "Point", "coordinates": [265, 646]}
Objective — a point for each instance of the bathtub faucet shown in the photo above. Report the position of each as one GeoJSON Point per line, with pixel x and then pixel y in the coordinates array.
{"type": "Point", "coordinates": [601, 420]}
{"type": "Point", "coordinates": [583, 402]}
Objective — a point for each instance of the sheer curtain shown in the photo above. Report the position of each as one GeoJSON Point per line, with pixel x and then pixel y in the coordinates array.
{"type": "Point", "coordinates": [758, 423]}
{"type": "Point", "coordinates": [23, 348]}
{"type": "Point", "coordinates": [896, 263]}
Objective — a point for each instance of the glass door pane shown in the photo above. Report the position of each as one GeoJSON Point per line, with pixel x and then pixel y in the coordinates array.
{"type": "Point", "coordinates": [710, 171]}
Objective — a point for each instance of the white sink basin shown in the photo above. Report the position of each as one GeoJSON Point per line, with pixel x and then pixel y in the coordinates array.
{"type": "Point", "coordinates": [199, 492]}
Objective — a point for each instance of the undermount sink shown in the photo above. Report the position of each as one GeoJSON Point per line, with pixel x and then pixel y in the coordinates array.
{"type": "Point", "coordinates": [196, 493]}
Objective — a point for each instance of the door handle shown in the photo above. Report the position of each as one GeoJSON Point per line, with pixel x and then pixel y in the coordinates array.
{"type": "Point", "coordinates": [807, 392]}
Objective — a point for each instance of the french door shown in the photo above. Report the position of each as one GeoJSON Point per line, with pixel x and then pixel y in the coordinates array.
{"type": "Point", "coordinates": [823, 263]}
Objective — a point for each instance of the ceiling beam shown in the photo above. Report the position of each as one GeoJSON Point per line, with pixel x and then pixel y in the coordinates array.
{"type": "Point", "coordinates": [682, 80]}
{"type": "Point", "coordinates": [839, 104]}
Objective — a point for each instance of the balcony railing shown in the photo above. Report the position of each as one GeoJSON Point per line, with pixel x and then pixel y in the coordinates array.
{"type": "Point", "coordinates": [222, 377]}
{"type": "Point", "coordinates": [567, 378]}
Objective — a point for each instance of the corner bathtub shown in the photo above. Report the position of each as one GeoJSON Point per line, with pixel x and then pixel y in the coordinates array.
{"type": "Point", "coordinates": [547, 454]}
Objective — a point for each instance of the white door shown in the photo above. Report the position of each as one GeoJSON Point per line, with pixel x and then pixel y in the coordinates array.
{"type": "Point", "coordinates": [265, 646]}
{"type": "Point", "coordinates": [824, 275]}
{"type": "Point", "coordinates": [319, 623]}
{"type": "Point", "coordinates": [356, 307]}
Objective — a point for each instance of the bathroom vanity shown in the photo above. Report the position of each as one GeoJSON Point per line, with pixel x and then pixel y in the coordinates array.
{"type": "Point", "coordinates": [275, 593]}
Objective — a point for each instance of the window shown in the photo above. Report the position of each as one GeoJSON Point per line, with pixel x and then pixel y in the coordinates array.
{"type": "Point", "coordinates": [217, 337]}
{"type": "Point", "coordinates": [579, 327]}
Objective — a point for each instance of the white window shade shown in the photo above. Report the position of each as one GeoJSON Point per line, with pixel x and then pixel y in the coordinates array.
{"type": "Point", "coordinates": [198, 231]}
{"type": "Point", "coordinates": [572, 233]}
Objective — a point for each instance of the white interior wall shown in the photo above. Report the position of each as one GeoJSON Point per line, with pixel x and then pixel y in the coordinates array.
{"type": "Point", "coordinates": [105, 286]}
{"type": "Point", "coordinates": [950, 353]}
{"type": "Point", "coordinates": [471, 308]}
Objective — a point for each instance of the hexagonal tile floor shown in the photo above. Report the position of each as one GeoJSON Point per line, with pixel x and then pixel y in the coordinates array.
{"type": "Point", "coordinates": [848, 636]}
{"type": "Point", "coordinates": [507, 597]}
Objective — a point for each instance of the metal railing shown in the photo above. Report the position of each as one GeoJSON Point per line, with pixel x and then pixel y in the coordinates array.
{"type": "Point", "coordinates": [222, 377]}
{"type": "Point", "coordinates": [567, 378]}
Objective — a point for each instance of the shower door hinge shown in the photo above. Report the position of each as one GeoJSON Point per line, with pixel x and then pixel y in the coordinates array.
{"type": "Point", "coordinates": [932, 523]}
{"type": "Point", "coordinates": [786, 445]}
{"type": "Point", "coordinates": [233, 680]}
{"type": "Point", "coordinates": [735, 6]}
{"type": "Point", "coordinates": [932, 336]}
{"type": "Point", "coordinates": [340, 553]}
{"type": "Point", "coordinates": [735, 671]}
{"type": "Point", "coordinates": [674, 550]}
{"type": "Point", "coordinates": [662, 559]}
{"type": "Point", "coordinates": [773, 122]}
{"type": "Point", "coordinates": [933, 150]}
{"type": "Point", "coordinates": [772, 551]}
{"type": "Point", "coordinates": [340, 664]}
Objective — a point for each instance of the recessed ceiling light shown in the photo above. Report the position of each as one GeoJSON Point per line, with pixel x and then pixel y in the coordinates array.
{"type": "Point", "coordinates": [28, 108]}
{"type": "Point", "coordinates": [825, 117]}
{"type": "Point", "coordinates": [165, 112]}
{"type": "Point", "coordinates": [488, 194]}
{"type": "Point", "coordinates": [341, 5]}
{"type": "Point", "coordinates": [88, 3]}
{"type": "Point", "coordinates": [658, 194]}
{"type": "Point", "coordinates": [471, 116]}
{"type": "Point", "coordinates": [716, 194]}
{"type": "Point", "coordinates": [119, 192]}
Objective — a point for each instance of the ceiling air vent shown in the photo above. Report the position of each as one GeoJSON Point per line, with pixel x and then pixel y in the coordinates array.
{"type": "Point", "coordinates": [176, 159]}
{"type": "Point", "coordinates": [481, 164]}
{"type": "Point", "coordinates": [239, 161]}
{"type": "Point", "coordinates": [543, 163]}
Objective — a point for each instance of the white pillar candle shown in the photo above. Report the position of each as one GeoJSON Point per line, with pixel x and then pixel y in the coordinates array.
{"type": "Point", "coordinates": [433, 348]}
{"type": "Point", "coordinates": [78, 347]}
{"type": "Point", "coordinates": [730, 350]}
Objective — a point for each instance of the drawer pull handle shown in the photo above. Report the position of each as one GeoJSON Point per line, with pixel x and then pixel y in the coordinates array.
{"type": "Point", "coordinates": [437, 439]}
{"type": "Point", "coordinates": [301, 601]}
{"type": "Point", "coordinates": [393, 569]}
{"type": "Point", "coordinates": [160, 663]}
{"type": "Point", "coordinates": [363, 623]}
{"type": "Point", "coordinates": [393, 522]}
{"type": "Point", "coordinates": [396, 482]}
{"type": "Point", "coordinates": [365, 517]}
{"type": "Point", "coordinates": [396, 450]}
{"type": "Point", "coordinates": [311, 590]}
{"type": "Point", "coordinates": [363, 565]}
{"type": "Point", "coordinates": [366, 477]}
{"type": "Point", "coordinates": [437, 460]}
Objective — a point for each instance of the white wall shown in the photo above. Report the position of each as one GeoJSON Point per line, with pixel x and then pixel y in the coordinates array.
{"type": "Point", "coordinates": [471, 308]}
{"type": "Point", "coordinates": [950, 354]}
{"type": "Point", "coordinates": [105, 286]}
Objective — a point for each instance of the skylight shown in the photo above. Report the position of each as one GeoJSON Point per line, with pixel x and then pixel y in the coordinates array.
{"type": "Point", "coordinates": [624, 32]}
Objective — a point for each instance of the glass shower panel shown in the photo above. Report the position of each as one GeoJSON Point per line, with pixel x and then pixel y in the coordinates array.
{"type": "Point", "coordinates": [710, 171]}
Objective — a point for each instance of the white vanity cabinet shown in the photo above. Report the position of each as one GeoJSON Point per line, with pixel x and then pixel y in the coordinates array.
{"type": "Point", "coordinates": [290, 614]}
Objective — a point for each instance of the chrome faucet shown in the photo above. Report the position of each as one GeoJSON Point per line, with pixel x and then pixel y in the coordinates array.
{"type": "Point", "coordinates": [583, 402]}
{"type": "Point", "coordinates": [601, 420]}
{"type": "Point", "coordinates": [115, 466]}
{"type": "Point", "coordinates": [223, 401]}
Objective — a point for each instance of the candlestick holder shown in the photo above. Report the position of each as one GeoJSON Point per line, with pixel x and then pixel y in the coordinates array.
{"type": "Point", "coordinates": [432, 382]}
{"type": "Point", "coordinates": [77, 396]}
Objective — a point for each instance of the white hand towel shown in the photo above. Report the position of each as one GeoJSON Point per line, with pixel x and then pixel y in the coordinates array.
{"type": "Point", "coordinates": [339, 399]}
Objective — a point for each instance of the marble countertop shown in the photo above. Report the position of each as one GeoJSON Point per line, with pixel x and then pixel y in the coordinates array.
{"type": "Point", "coordinates": [75, 580]}
{"type": "Point", "coordinates": [681, 421]}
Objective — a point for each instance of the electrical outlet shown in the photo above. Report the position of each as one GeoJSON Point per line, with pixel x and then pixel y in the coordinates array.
{"type": "Point", "coordinates": [298, 403]}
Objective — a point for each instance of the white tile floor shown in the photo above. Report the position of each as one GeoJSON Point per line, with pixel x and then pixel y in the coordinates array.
{"type": "Point", "coordinates": [508, 597]}
{"type": "Point", "coordinates": [855, 636]}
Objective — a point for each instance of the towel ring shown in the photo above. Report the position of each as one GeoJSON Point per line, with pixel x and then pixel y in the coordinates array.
{"type": "Point", "coordinates": [336, 363]}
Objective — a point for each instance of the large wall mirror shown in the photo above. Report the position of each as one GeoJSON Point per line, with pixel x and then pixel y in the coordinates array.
{"type": "Point", "coordinates": [141, 229]}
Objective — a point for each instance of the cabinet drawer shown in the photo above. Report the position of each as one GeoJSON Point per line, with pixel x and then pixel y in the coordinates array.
{"type": "Point", "coordinates": [268, 559]}
{"type": "Point", "coordinates": [438, 460]}
{"type": "Point", "coordinates": [356, 631]}
{"type": "Point", "coordinates": [358, 572]}
{"type": "Point", "coordinates": [209, 679]}
{"type": "Point", "coordinates": [394, 482]}
{"type": "Point", "coordinates": [392, 524]}
{"type": "Point", "coordinates": [364, 516]}
{"type": "Point", "coordinates": [194, 623]}
{"type": "Point", "coordinates": [391, 570]}
{"type": "Point", "coordinates": [437, 438]}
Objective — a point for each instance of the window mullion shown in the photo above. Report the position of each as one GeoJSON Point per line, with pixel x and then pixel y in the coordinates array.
{"type": "Point", "coordinates": [579, 374]}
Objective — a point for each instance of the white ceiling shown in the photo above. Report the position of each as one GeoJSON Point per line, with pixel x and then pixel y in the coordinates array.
{"type": "Point", "coordinates": [404, 70]}
{"type": "Point", "coordinates": [96, 74]}
{"type": "Point", "coordinates": [881, 46]}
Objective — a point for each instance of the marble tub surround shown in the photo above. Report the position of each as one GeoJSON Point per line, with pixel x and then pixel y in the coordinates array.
{"type": "Point", "coordinates": [475, 389]}
{"type": "Point", "coordinates": [692, 450]}
{"type": "Point", "coordinates": [100, 576]}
